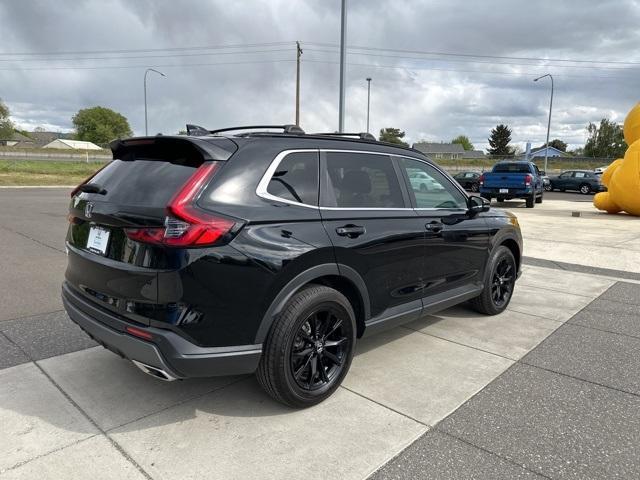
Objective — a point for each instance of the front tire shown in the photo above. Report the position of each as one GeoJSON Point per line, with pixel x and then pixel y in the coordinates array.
{"type": "Point", "coordinates": [499, 282]}
{"type": "Point", "coordinates": [309, 348]}
{"type": "Point", "coordinates": [475, 187]}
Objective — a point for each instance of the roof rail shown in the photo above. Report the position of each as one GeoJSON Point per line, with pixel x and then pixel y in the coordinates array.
{"type": "Point", "coordinates": [197, 130]}
{"type": "Point", "coordinates": [361, 135]}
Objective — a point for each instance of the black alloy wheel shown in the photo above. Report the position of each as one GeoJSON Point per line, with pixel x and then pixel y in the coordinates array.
{"type": "Point", "coordinates": [502, 282]}
{"type": "Point", "coordinates": [585, 189]}
{"type": "Point", "coordinates": [475, 187]}
{"type": "Point", "coordinates": [309, 348]}
{"type": "Point", "coordinates": [499, 282]}
{"type": "Point", "coordinates": [319, 349]}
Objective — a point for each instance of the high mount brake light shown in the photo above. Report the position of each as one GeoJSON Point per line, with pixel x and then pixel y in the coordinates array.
{"type": "Point", "coordinates": [185, 225]}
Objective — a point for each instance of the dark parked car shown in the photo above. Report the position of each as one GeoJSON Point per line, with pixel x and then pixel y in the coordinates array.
{"type": "Point", "coordinates": [583, 181]}
{"type": "Point", "coordinates": [468, 180]}
{"type": "Point", "coordinates": [221, 254]}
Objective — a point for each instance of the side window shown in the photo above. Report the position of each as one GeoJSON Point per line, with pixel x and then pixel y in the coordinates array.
{"type": "Point", "coordinates": [580, 175]}
{"type": "Point", "coordinates": [566, 175]}
{"type": "Point", "coordinates": [296, 178]}
{"type": "Point", "coordinates": [431, 188]}
{"type": "Point", "coordinates": [361, 180]}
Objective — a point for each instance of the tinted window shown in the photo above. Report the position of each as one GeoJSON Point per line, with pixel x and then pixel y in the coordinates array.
{"type": "Point", "coordinates": [431, 188]}
{"type": "Point", "coordinates": [566, 175]}
{"type": "Point", "coordinates": [150, 183]}
{"type": "Point", "coordinates": [581, 175]}
{"type": "Point", "coordinates": [361, 180]}
{"type": "Point", "coordinates": [296, 178]}
{"type": "Point", "coordinates": [515, 167]}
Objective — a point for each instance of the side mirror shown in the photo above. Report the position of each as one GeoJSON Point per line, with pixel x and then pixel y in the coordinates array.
{"type": "Point", "coordinates": [478, 204]}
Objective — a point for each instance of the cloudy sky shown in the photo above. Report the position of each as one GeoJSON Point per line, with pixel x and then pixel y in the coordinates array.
{"type": "Point", "coordinates": [440, 68]}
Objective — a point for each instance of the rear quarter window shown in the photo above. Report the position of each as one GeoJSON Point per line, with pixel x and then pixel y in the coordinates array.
{"type": "Point", "coordinates": [296, 178]}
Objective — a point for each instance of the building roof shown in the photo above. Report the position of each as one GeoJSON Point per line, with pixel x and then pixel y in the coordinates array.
{"type": "Point", "coordinates": [42, 138]}
{"type": "Point", "coordinates": [552, 151]}
{"type": "Point", "coordinates": [76, 144]}
{"type": "Point", "coordinates": [473, 154]}
{"type": "Point", "coordinates": [427, 148]}
{"type": "Point", "coordinates": [18, 137]}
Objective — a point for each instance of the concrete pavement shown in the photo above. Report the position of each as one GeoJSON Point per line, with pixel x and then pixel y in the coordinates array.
{"type": "Point", "coordinates": [439, 386]}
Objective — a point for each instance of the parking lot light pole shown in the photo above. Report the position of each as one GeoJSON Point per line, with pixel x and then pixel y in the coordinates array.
{"type": "Point", "coordinates": [343, 60]}
{"type": "Point", "coordinates": [546, 150]}
{"type": "Point", "coordinates": [368, 100]}
{"type": "Point", "coordinates": [146, 129]}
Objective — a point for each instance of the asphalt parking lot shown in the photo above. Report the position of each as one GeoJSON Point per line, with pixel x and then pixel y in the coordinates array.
{"type": "Point", "coordinates": [547, 389]}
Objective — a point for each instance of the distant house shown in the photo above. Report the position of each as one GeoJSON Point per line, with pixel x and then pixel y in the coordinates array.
{"type": "Point", "coordinates": [17, 139]}
{"type": "Point", "coordinates": [451, 151]}
{"type": "Point", "coordinates": [43, 138]}
{"type": "Point", "coordinates": [71, 144]}
{"type": "Point", "coordinates": [552, 152]}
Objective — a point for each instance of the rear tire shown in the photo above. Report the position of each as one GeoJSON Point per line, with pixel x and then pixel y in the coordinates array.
{"type": "Point", "coordinates": [486, 197]}
{"type": "Point", "coordinates": [499, 282]}
{"type": "Point", "coordinates": [585, 189]}
{"type": "Point", "coordinates": [500, 199]}
{"type": "Point", "coordinates": [309, 348]}
{"type": "Point", "coordinates": [531, 200]}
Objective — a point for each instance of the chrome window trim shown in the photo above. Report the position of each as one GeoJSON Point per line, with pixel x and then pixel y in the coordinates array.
{"type": "Point", "coordinates": [261, 189]}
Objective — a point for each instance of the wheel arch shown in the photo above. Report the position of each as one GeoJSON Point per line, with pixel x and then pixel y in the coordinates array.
{"type": "Point", "coordinates": [339, 277]}
{"type": "Point", "coordinates": [512, 245]}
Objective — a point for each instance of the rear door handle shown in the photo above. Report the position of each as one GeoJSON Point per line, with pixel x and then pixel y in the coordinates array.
{"type": "Point", "coordinates": [434, 227]}
{"type": "Point", "coordinates": [351, 231]}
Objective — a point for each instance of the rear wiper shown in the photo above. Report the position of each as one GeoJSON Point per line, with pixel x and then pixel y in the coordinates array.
{"type": "Point", "coordinates": [92, 188]}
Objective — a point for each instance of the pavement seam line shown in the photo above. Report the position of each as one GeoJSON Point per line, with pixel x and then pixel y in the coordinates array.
{"type": "Point", "coordinates": [494, 454]}
{"type": "Point", "coordinates": [33, 240]}
{"type": "Point", "coordinates": [510, 308]}
{"type": "Point", "coordinates": [115, 444]}
{"type": "Point", "coordinates": [386, 407]}
{"type": "Point", "coordinates": [24, 317]}
{"type": "Point", "coordinates": [181, 402]}
{"type": "Point", "coordinates": [72, 444]}
{"type": "Point", "coordinates": [569, 322]}
{"type": "Point", "coordinates": [459, 343]}
{"type": "Point", "coordinates": [525, 284]}
{"type": "Point", "coordinates": [524, 362]}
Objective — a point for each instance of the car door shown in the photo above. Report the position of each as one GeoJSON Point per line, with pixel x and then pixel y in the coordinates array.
{"type": "Point", "coordinates": [366, 212]}
{"type": "Point", "coordinates": [578, 179]}
{"type": "Point", "coordinates": [456, 245]}
{"type": "Point", "coordinates": [564, 180]}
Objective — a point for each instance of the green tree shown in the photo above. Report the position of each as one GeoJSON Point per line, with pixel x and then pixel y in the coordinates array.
{"type": "Point", "coordinates": [557, 143]}
{"type": "Point", "coordinates": [6, 126]}
{"type": "Point", "coordinates": [100, 125]}
{"type": "Point", "coordinates": [499, 141]}
{"type": "Point", "coordinates": [464, 141]}
{"type": "Point", "coordinates": [392, 135]}
{"type": "Point", "coordinates": [606, 140]}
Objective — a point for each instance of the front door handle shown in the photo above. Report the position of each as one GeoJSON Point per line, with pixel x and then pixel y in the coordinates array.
{"type": "Point", "coordinates": [351, 231]}
{"type": "Point", "coordinates": [434, 227]}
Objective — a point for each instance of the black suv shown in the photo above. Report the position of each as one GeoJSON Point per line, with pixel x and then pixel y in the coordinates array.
{"type": "Point", "coordinates": [272, 252]}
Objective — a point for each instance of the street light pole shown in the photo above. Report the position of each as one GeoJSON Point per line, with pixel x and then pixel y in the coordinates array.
{"type": "Point", "coordinates": [146, 129]}
{"type": "Point", "coordinates": [368, 100]}
{"type": "Point", "coordinates": [343, 59]}
{"type": "Point", "coordinates": [546, 150]}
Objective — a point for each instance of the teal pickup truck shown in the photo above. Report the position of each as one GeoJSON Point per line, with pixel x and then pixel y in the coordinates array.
{"type": "Point", "coordinates": [513, 179]}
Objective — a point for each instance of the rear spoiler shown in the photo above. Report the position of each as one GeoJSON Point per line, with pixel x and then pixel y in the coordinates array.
{"type": "Point", "coordinates": [170, 148]}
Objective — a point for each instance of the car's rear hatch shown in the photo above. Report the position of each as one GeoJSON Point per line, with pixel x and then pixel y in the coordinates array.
{"type": "Point", "coordinates": [110, 212]}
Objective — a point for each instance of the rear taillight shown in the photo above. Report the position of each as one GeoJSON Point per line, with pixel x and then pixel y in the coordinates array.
{"type": "Point", "coordinates": [86, 180]}
{"type": "Point", "coordinates": [481, 179]}
{"type": "Point", "coordinates": [527, 180]}
{"type": "Point", "coordinates": [186, 225]}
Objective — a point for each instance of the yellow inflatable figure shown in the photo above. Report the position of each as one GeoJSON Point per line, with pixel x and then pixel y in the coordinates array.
{"type": "Point", "coordinates": [622, 177]}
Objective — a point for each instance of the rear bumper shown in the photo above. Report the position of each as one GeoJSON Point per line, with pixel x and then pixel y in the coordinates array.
{"type": "Point", "coordinates": [167, 352]}
{"type": "Point", "coordinates": [512, 193]}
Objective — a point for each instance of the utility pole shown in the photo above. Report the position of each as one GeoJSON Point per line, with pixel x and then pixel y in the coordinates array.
{"type": "Point", "coordinates": [368, 100]}
{"type": "Point", "coordinates": [298, 55]}
{"type": "Point", "coordinates": [343, 59]}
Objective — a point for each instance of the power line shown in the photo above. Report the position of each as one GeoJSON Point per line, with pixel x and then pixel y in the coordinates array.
{"type": "Point", "coordinates": [469, 55]}
{"type": "Point", "coordinates": [141, 50]}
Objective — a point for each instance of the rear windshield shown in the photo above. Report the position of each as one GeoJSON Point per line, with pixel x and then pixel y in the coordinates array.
{"type": "Point", "coordinates": [144, 182]}
{"type": "Point", "coordinates": [149, 171]}
{"type": "Point", "coordinates": [511, 168]}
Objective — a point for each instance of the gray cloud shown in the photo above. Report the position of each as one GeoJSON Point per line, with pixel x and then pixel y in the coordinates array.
{"type": "Point", "coordinates": [428, 98]}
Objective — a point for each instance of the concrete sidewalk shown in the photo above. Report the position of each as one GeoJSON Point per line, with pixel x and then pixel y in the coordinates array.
{"type": "Point", "coordinates": [91, 414]}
